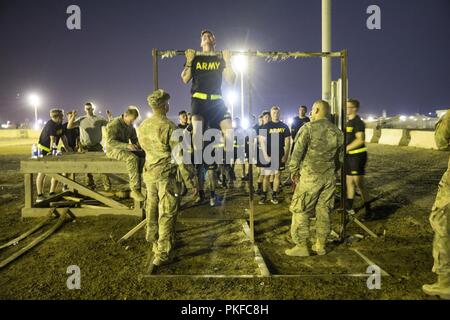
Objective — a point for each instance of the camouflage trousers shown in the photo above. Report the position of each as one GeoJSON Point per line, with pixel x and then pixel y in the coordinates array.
{"type": "Point", "coordinates": [134, 163]}
{"type": "Point", "coordinates": [440, 222]}
{"type": "Point", "coordinates": [312, 193]}
{"type": "Point", "coordinates": [161, 214]}
{"type": "Point", "coordinates": [89, 177]}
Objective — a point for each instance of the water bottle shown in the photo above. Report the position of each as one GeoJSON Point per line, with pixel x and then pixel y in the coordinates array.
{"type": "Point", "coordinates": [34, 151]}
{"type": "Point", "coordinates": [54, 149]}
{"type": "Point", "coordinates": [39, 152]}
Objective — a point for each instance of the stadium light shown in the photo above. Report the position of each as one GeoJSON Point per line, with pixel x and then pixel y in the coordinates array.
{"type": "Point", "coordinates": [239, 63]}
{"type": "Point", "coordinates": [244, 123]}
{"type": "Point", "coordinates": [402, 118]}
{"type": "Point", "coordinates": [290, 121]}
{"type": "Point", "coordinates": [35, 102]}
{"type": "Point", "coordinates": [231, 99]}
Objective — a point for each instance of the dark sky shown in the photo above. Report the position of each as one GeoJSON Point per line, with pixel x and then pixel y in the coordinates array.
{"type": "Point", "coordinates": [403, 68]}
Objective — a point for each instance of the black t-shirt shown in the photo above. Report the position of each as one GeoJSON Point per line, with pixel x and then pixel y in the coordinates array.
{"type": "Point", "coordinates": [71, 135]}
{"type": "Point", "coordinates": [51, 128]}
{"type": "Point", "coordinates": [279, 128]}
{"type": "Point", "coordinates": [353, 126]}
{"type": "Point", "coordinates": [297, 124]}
{"type": "Point", "coordinates": [207, 74]}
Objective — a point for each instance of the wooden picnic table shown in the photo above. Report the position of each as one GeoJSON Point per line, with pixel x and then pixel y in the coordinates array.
{"type": "Point", "coordinates": [71, 164]}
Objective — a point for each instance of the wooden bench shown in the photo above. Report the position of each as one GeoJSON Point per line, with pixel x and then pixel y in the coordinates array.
{"type": "Point", "coordinates": [71, 164]}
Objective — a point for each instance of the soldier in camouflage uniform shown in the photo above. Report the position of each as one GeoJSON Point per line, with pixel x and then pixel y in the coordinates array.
{"type": "Point", "coordinates": [318, 154]}
{"type": "Point", "coordinates": [160, 176]}
{"type": "Point", "coordinates": [440, 219]}
{"type": "Point", "coordinates": [122, 144]}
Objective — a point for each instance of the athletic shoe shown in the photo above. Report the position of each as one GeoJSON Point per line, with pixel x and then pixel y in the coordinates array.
{"type": "Point", "coordinates": [212, 201]}
{"type": "Point", "coordinates": [40, 198]}
{"type": "Point", "coordinates": [274, 198]}
{"type": "Point", "coordinates": [263, 200]}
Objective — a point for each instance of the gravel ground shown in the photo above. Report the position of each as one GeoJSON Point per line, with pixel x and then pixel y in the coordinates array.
{"type": "Point", "coordinates": [403, 181]}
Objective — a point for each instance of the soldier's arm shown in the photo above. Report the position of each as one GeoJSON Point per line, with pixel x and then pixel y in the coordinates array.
{"type": "Point", "coordinates": [442, 132]}
{"type": "Point", "coordinates": [187, 171]}
{"type": "Point", "coordinates": [186, 74]}
{"type": "Point", "coordinates": [134, 138]}
{"type": "Point", "coordinates": [358, 142]}
{"type": "Point", "coordinates": [52, 140]}
{"type": "Point", "coordinates": [66, 143]}
{"type": "Point", "coordinates": [112, 132]}
{"type": "Point", "coordinates": [228, 72]}
{"type": "Point", "coordinates": [287, 147]}
{"type": "Point", "coordinates": [300, 149]}
{"type": "Point", "coordinates": [71, 123]}
{"type": "Point", "coordinates": [143, 139]}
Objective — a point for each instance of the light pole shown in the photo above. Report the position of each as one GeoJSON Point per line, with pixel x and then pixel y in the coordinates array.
{"type": "Point", "coordinates": [231, 98]}
{"type": "Point", "coordinates": [240, 64]}
{"type": "Point", "coordinates": [34, 101]}
{"type": "Point", "coordinates": [326, 47]}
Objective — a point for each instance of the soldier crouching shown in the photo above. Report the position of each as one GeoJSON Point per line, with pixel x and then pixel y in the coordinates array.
{"type": "Point", "coordinates": [122, 144]}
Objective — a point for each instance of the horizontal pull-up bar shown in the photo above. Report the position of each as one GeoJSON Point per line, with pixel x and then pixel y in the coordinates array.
{"type": "Point", "coordinates": [275, 55]}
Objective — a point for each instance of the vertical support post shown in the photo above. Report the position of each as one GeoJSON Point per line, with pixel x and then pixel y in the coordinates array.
{"type": "Point", "coordinates": [28, 181]}
{"type": "Point", "coordinates": [72, 177]}
{"type": "Point", "coordinates": [344, 84]}
{"type": "Point", "coordinates": [326, 47]}
{"type": "Point", "coordinates": [155, 69]}
{"type": "Point", "coordinates": [250, 166]}
{"type": "Point", "coordinates": [242, 94]}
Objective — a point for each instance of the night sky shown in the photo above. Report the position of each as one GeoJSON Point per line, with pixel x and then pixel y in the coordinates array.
{"type": "Point", "coordinates": [402, 68]}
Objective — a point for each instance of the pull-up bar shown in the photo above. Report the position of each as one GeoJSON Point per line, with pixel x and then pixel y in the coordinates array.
{"type": "Point", "coordinates": [275, 56]}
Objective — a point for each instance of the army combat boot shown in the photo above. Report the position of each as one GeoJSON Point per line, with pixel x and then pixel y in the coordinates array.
{"type": "Point", "coordinates": [298, 251]}
{"type": "Point", "coordinates": [137, 195]}
{"type": "Point", "coordinates": [441, 288]}
{"type": "Point", "coordinates": [319, 247]}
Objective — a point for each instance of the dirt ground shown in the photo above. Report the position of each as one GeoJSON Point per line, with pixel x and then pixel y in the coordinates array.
{"type": "Point", "coordinates": [403, 181]}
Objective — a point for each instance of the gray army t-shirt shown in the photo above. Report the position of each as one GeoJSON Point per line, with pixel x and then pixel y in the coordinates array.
{"type": "Point", "coordinates": [91, 129]}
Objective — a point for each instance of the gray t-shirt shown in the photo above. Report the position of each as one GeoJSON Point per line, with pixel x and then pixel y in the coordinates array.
{"type": "Point", "coordinates": [91, 129]}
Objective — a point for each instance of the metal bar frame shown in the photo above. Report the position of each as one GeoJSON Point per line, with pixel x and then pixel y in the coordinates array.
{"type": "Point", "coordinates": [275, 56]}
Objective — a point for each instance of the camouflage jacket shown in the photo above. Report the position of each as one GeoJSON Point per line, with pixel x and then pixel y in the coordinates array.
{"type": "Point", "coordinates": [442, 133]}
{"type": "Point", "coordinates": [119, 135]}
{"type": "Point", "coordinates": [155, 137]}
{"type": "Point", "coordinates": [318, 149]}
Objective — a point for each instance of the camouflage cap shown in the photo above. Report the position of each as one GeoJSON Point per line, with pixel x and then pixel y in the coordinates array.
{"type": "Point", "coordinates": [157, 98]}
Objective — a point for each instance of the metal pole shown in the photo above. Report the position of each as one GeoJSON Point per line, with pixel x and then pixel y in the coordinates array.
{"type": "Point", "coordinates": [343, 128]}
{"type": "Point", "coordinates": [326, 47]}
{"type": "Point", "coordinates": [250, 166]}
{"type": "Point", "coordinates": [35, 115]}
{"type": "Point", "coordinates": [155, 69]}
{"type": "Point", "coordinates": [232, 111]}
{"type": "Point", "coordinates": [242, 95]}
